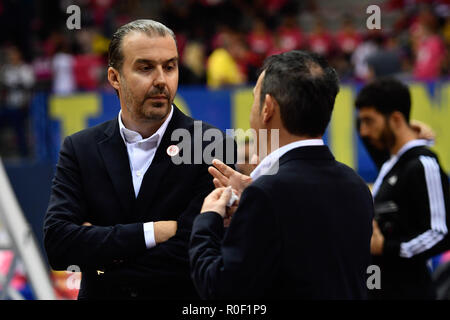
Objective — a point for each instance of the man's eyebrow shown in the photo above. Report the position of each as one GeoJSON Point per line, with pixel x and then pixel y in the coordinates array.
{"type": "Point", "coordinates": [149, 61]}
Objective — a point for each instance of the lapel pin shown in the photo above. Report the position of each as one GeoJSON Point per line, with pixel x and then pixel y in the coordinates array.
{"type": "Point", "coordinates": [173, 150]}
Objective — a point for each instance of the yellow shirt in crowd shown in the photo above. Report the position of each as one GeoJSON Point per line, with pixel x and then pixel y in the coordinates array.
{"type": "Point", "coordinates": [222, 69]}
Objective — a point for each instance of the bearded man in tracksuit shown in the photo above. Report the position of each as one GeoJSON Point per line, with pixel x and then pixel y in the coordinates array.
{"type": "Point", "coordinates": [411, 194]}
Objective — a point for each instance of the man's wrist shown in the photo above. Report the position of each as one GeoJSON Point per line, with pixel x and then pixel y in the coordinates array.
{"type": "Point", "coordinates": [149, 235]}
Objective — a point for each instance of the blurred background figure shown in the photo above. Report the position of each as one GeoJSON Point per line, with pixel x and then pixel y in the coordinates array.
{"type": "Point", "coordinates": [63, 69]}
{"type": "Point", "coordinates": [347, 39]}
{"type": "Point", "coordinates": [364, 50]}
{"type": "Point", "coordinates": [386, 60]}
{"type": "Point", "coordinates": [192, 67]}
{"type": "Point", "coordinates": [320, 40]}
{"type": "Point", "coordinates": [17, 81]}
{"type": "Point", "coordinates": [224, 63]}
{"type": "Point", "coordinates": [290, 34]}
{"type": "Point", "coordinates": [260, 38]}
{"type": "Point", "coordinates": [428, 45]}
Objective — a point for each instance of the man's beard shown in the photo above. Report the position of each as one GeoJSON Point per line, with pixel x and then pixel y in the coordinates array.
{"type": "Point", "coordinates": [386, 140]}
{"type": "Point", "coordinates": [141, 111]}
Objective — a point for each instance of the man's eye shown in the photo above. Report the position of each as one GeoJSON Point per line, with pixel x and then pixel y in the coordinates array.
{"type": "Point", "coordinates": [146, 68]}
{"type": "Point", "coordinates": [170, 67]}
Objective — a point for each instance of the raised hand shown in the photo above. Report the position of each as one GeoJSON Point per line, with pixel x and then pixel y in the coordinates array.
{"type": "Point", "coordinates": [225, 176]}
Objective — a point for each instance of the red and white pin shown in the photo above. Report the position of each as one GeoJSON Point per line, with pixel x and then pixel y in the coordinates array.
{"type": "Point", "coordinates": [173, 150]}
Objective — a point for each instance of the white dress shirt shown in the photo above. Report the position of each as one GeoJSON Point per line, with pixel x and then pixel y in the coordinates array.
{"type": "Point", "coordinates": [140, 154]}
{"type": "Point", "coordinates": [267, 165]}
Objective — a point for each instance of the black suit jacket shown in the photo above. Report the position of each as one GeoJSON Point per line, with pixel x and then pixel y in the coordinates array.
{"type": "Point", "coordinates": [93, 183]}
{"type": "Point", "coordinates": [301, 233]}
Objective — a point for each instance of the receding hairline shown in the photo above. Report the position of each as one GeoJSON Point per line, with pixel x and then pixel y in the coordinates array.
{"type": "Point", "coordinates": [147, 26]}
{"type": "Point", "coordinates": [151, 28]}
{"type": "Point", "coordinates": [149, 34]}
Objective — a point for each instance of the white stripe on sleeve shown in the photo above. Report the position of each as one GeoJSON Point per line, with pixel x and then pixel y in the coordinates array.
{"type": "Point", "coordinates": [438, 229]}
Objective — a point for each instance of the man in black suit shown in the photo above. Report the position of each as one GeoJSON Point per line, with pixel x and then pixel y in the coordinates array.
{"type": "Point", "coordinates": [121, 209]}
{"type": "Point", "coordinates": [303, 225]}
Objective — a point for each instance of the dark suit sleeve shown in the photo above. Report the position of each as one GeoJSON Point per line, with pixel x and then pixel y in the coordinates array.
{"type": "Point", "coordinates": [242, 261]}
{"type": "Point", "coordinates": [176, 248]}
{"type": "Point", "coordinates": [66, 241]}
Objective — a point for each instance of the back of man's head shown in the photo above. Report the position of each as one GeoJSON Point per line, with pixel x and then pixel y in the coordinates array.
{"type": "Point", "coordinates": [305, 88]}
{"type": "Point", "coordinates": [385, 95]}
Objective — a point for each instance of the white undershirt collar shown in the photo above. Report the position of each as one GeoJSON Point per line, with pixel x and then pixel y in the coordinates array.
{"type": "Point", "coordinates": [268, 162]}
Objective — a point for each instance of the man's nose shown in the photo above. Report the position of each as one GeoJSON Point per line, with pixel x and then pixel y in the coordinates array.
{"type": "Point", "coordinates": [160, 78]}
{"type": "Point", "coordinates": [363, 130]}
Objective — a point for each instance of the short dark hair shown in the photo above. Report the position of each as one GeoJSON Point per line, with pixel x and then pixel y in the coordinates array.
{"type": "Point", "coordinates": [386, 95]}
{"type": "Point", "coordinates": [147, 26]}
{"type": "Point", "coordinates": [305, 87]}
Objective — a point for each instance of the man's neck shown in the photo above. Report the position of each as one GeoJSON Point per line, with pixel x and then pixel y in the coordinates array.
{"type": "Point", "coordinates": [403, 138]}
{"type": "Point", "coordinates": [286, 138]}
{"type": "Point", "coordinates": [145, 128]}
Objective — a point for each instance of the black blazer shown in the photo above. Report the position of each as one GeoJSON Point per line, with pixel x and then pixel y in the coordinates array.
{"type": "Point", "coordinates": [301, 233]}
{"type": "Point", "coordinates": [93, 183]}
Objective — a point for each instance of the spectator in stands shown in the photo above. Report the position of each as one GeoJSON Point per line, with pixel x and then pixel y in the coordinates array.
{"type": "Point", "coordinates": [347, 40]}
{"type": "Point", "coordinates": [192, 66]}
{"type": "Point", "coordinates": [430, 48]}
{"type": "Point", "coordinates": [42, 66]}
{"type": "Point", "coordinates": [223, 63]}
{"type": "Point", "coordinates": [386, 61]}
{"type": "Point", "coordinates": [365, 49]}
{"type": "Point", "coordinates": [63, 73]}
{"type": "Point", "coordinates": [217, 39]}
{"type": "Point", "coordinates": [347, 37]}
{"type": "Point", "coordinates": [260, 39]}
{"type": "Point", "coordinates": [88, 65]}
{"type": "Point", "coordinates": [290, 34]}
{"type": "Point", "coordinates": [17, 81]}
{"type": "Point", "coordinates": [320, 41]}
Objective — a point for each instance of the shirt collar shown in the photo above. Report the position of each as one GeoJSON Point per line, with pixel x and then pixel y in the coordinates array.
{"type": "Point", "coordinates": [132, 137]}
{"type": "Point", "coordinates": [411, 144]}
{"type": "Point", "coordinates": [267, 163]}
{"type": "Point", "coordinates": [389, 164]}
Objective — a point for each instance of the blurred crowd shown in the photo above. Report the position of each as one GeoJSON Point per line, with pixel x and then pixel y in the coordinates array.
{"type": "Point", "coordinates": [221, 43]}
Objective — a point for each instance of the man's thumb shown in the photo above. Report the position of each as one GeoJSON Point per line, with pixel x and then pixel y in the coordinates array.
{"type": "Point", "coordinates": [226, 195]}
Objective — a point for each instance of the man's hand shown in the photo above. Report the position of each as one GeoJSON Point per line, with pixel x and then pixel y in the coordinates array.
{"type": "Point", "coordinates": [377, 241]}
{"type": "Point", "coordinates": [229, 214]}
{"type": "Point", "coordinates": [217, 201]}
{"type": "Point", "coordinates": [225, 176]}
{"type": "Point", "coordinates": [423, 131]}
{"type": "Point", "coordinates": [164, 230]}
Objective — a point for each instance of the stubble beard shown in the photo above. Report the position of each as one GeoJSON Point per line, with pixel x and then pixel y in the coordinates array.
{"type": "Point", "coordinates": [141, 110]}
{"type": "Point", "coordinates": [387, 138]}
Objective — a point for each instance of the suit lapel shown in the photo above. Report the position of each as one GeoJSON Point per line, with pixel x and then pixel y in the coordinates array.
{"type": "Point", "coordinates": [115, 157]}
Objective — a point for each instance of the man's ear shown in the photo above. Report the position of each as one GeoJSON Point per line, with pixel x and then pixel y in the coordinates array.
{"type": "Point", "coordinates": [268, 109]}
{"type": "Point", "coordinates": [113, 78]}
{"type": "Point", "coordinates": [397, 119]}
